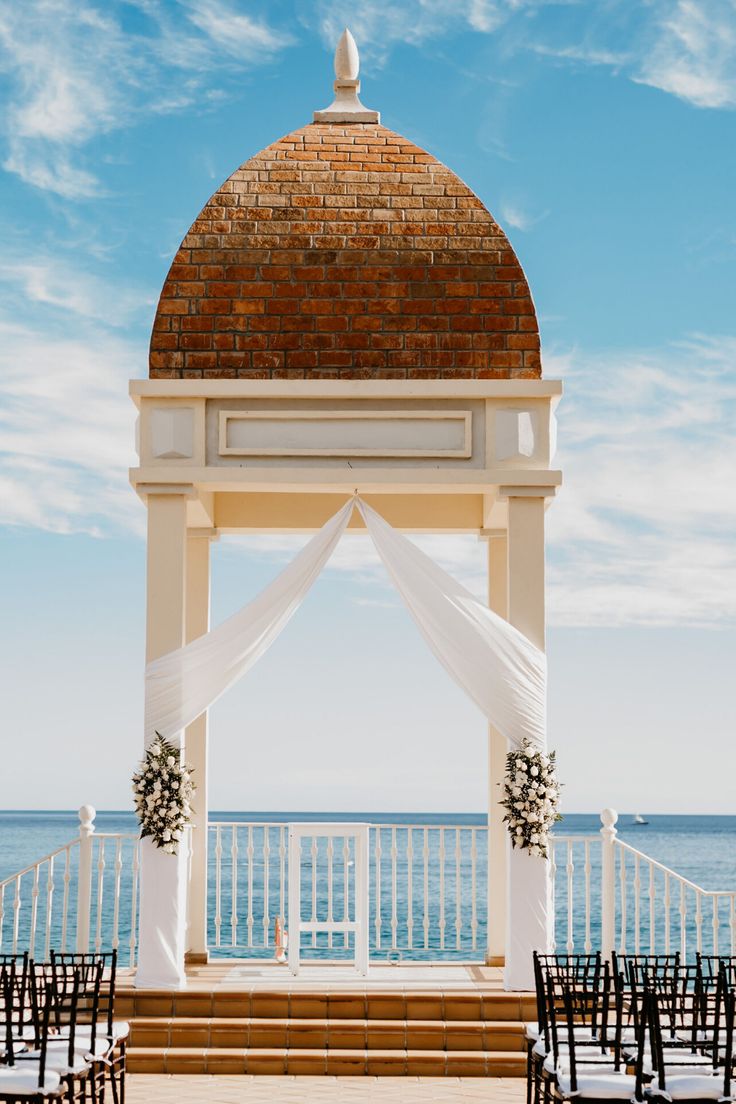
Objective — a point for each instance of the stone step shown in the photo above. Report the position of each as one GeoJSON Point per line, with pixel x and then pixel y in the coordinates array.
{"type": "Point", "coordinates": [443, 1006]}
{"type": "Point", "coordinates": [334, 1034]}
{"type": "Point", "coordinates": [321, 1061]}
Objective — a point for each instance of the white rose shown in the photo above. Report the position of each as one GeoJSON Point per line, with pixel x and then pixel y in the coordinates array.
{"type": "Point", "coordinates": [170, 760]}
{"type": "Point", "coordinates": [535, 770]}
{"type": "Point", "coordinates": [166, 834]}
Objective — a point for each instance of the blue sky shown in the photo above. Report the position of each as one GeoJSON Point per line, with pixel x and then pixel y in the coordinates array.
{"type": "Point", "coordinates": [602, 135]}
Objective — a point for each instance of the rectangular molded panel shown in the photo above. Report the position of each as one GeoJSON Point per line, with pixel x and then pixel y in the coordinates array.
{"type": "Point", "coordinates": [430, 434]}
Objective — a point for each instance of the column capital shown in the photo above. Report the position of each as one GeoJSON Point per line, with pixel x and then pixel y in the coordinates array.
{"type": "Point", "coordinates": [202, 533]}
{"type": "Point", "coordinates": [526, 492]}
{"type": "Point", "coordinates": [186, 489]}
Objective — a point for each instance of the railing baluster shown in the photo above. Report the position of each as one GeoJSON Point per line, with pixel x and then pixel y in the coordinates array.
{"type": "Point", "coordinates": [394, 888]}
{"type": "Point", "coordinates": [314, 888]}
{"type": "Point", "coordinates": [683, 922]}
{"type": "Point", "coordinates": [733, 922]}
{"type": "Point", "coordinates": [49, 906]}
{"type": "Point", "coordinates": [667, 903]}
{"type": "Point", "coordinates": [570, 872]}
{"type": "Point", "coordinates": [425, 917]}
{"type": "Point", "coordinates": [330, 916]}
{"type": "Point", "coordinates": [346, 886]}
{"type": "Point", "coordinates": [624, 899]}
{"type": "Point", "coordinates": [16, 913]}
{"type": "Point", "coordinates": [34, 910]}
{"type": "Point", "coordinates": [266, 889]}
{"type": "Point", "coordinates": [698, 923]}
{"type": "Point", "coordinates": [2, 914]}
{"type": "Point", "coordinates": [473, 881]}
{"type": "Point", "coordinates": [652, 912]}
{"type": "Point", "coordinates": [716, 921]}
{"type": "Point", "coordinates": [218, 885]}
{"type": "Point", "coordinates": [442, 889]}
{"type": "Point", "coordinates": [100, 891]}
{"type": "Point", "coordinates": [409, 888]}
{"type": "Point", "coordinates": [118, 869]}
{"type": "Point", "coordinates": [234, 886]}
{"type": "Point", "coordinates": [378, 853]}
{"type": "Point", "coordinates": [588, 943]}
{"type": "Point", "coordinates": [458, 892]}
{"type": "Point", "coordinates": [250, 852]}
{"type": "Point", "coordinates": [134, 902]}
{"type": "Point", "coordinates": [282, 874]}
{"type": "Point", "coordinates": [65, 904]}
{"type": "Point", "coordinates": [637, 906]}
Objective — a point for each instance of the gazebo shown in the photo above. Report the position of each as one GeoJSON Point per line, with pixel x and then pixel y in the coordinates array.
{"type": "Point", "coordinates": [344, 317]}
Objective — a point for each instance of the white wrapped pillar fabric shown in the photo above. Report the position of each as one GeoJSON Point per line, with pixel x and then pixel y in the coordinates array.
{"type": "Point", "coordinates": [529, 917]}
{"type": "Point", "coordinates": [179, 686]}
{"type": "Point", "coordinates": [163, 917]}
{"type": "Point", "coordinates": [495, 664]}
{"type": "Point", "coordinates": [183, 683]}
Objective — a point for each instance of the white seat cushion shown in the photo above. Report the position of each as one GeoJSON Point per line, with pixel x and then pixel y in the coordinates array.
{"type": "Point", "coordinates": [23, 1080]}
{"type": "Point", "coordinates": [691, 1086]}
{"type": "Point", "coordinates": [604, 1084]}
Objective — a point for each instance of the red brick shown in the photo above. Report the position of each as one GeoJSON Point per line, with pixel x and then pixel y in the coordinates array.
{"type": "Point", "coordinates": [345, 251]}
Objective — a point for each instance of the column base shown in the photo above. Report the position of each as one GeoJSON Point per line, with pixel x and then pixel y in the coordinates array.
{"type": "Point", "coordinates": [495, 960]}
{"type": "Point", "coordinates": [196, 958]}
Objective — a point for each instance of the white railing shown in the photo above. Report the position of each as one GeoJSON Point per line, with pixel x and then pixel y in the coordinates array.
{"type": "Point", "coordinates": [428, 892]}
{"type": "Point", "coordinates": [658, 911]}
{"type": "Point", "coordinates": [82, 896]}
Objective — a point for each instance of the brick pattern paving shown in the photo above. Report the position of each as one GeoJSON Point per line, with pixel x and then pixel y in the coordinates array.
{"type": "Point", "coordinates": [345, 251]}
{"type": "Point", "coordinates": [145, 1089]}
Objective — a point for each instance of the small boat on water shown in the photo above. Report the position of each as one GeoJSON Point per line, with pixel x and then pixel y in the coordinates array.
{"type": "Point", "coordinates": [639, 819]}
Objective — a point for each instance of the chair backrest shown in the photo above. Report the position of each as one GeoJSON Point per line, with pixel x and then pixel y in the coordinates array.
{"type": "Point", "coordinates": [584, 979]}
{"type": "Point", "coordinates": [88, 965]}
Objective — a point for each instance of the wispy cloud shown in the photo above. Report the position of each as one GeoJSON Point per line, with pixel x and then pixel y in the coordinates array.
{"type": "Point", "coordinates": [74, 71]}
{"type": "Point", "coordinates": [684, 47]}
{"type": "Point", "coordinates": [66, 429]}
{"type": "Point", "coordinates": [643, 531]}
{"type": "Point", "coordinates": [515, 215]}
{"type": "Point", "coordinates": [694, 52]}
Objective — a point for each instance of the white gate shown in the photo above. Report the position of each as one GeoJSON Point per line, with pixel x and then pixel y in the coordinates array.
{"type": "Point", "coordinates": [355, 903]}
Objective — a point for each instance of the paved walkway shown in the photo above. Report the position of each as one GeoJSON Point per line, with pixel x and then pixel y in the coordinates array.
{"type": "Point", "coordinates": [193, 1089]}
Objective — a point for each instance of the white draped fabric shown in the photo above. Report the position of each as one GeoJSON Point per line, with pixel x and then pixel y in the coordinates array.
{"type": "Point", "coordinates": [502, 671]}
{"type": "Point", "coordinates": [495, 664]}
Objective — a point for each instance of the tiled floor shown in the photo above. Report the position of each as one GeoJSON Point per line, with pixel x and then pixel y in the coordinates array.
{"type": "Point", "coordinates": [154, 1089]}
{"type": "Point", "coordinates": [256, 974]}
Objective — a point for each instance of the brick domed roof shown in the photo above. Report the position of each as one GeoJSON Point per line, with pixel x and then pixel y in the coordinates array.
{"type": "Point", "coordinates": [345, 251]}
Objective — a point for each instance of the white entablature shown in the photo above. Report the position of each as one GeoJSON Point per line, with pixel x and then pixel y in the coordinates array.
{"type": "Point", "coordinates": [272, 455]}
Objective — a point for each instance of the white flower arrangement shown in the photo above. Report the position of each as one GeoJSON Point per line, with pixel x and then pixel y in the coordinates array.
{"type": "Point", "coordinates": [531, 795]}
{"type": "Point", "coordinates": [163, 792]}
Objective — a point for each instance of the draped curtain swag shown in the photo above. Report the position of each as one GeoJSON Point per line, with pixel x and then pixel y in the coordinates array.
{"type": "Point", "coordinates": [495, 664]}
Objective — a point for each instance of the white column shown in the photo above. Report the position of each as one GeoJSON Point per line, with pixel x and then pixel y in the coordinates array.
{"type": "Point", "coordinates": [608, 882]}
{"type": "Point", "coordinates": [198, 623]}
{"type": "Point", "coordinates": [163, 878]}
{"type": "Point", "coordinates": [497, 749]}
{"type": "Point", "coordinates": [87, 816]}
{"type": "Point", "coordinates": [529, 900]}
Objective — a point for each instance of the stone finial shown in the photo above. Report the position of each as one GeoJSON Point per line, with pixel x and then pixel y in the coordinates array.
{"type": "Point", "coordinates": [346, 107]}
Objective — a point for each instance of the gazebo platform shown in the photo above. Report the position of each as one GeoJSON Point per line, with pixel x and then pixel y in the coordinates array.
{"type": "Point", "coordinates": [245, 1017]}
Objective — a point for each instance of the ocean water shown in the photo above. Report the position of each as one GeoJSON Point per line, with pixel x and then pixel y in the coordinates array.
{"type": "Point", "coordinates": [700, 848]}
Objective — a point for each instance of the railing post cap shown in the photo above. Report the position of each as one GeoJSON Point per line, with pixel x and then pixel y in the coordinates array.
{"type": "Point", "coordinates": [609, 818]}
{"type": "Point", "coordinates": [87, 815]}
